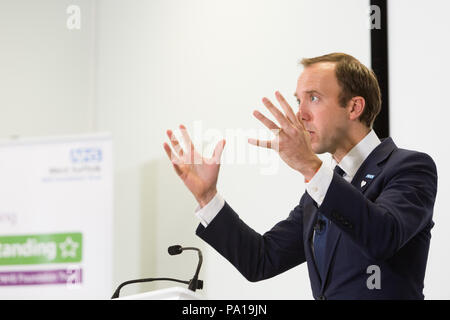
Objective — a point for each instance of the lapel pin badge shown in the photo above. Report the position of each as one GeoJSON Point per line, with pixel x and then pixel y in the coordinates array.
{"type": "Point", "coordinates": [370, 176]}
{"type": "Point", "coordinates": [363, 183]}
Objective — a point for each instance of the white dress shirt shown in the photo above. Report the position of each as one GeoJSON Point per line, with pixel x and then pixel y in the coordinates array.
{"type": "Point", "coordinates": [318, 186]}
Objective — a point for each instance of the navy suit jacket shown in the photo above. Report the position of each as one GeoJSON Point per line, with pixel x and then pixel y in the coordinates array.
{"type": "Point", "coordinates": [384, 222]}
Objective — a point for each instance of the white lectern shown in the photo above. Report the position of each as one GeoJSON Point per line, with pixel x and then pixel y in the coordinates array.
{"type": "Point", "coordinates": [175, 293]}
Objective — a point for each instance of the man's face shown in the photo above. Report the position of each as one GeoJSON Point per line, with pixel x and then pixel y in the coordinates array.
{"type": "Point", "coordinates": [318, 95]}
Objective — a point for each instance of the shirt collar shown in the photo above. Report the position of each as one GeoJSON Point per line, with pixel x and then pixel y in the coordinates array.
{"type": "Point", "coordinates": [356, 156]}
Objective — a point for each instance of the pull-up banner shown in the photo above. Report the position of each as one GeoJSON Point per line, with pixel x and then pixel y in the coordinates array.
{"type": "Point", "coordinates": [56, 208]}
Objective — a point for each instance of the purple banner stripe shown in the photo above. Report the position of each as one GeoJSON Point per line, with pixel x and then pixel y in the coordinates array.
{"type": "Point", "coordinates": [70, 276]}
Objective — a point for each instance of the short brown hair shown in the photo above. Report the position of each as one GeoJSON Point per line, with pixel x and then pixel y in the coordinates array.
{"type": "Point", "coordinates": [355, 79]}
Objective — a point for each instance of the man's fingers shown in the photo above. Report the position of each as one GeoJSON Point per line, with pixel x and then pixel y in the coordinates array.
{"type": "Point", "coordinates": [168, 150]}
{"type": "Point", "coordinates": [218, 150]}
{"type": "Point", "coordinates": [261, 143]}
{"type": "Point", "coordinates": [175, 143]}
{"type": "Point", "coordinates": [187, 139]}
{"type": "Point", "coordinates": [175, 161]}
{"type": "Point", "coordinates": [177, 169]}
{"type": "Point", "coordinates": [267, 122]}
{"type": "Point", "coordinates": [217, 153]}
{"type": "Point", "coordinates": [287, 108]}
{"type": "Point", "coordinates": [194, 157]}
{"type": "Point", "coordinates": [173, 158]}
{"type": "Point", "coordinates": [282, 120]}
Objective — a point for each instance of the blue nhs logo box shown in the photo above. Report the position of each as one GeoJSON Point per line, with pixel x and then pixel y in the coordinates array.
{"type": "Point", "coordinates": [86, 155]}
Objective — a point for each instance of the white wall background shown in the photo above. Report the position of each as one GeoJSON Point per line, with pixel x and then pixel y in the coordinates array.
{"type": "Point", "coordinates": [138, 68]}
{"type": "Point", "coordinates": [46, 71]}
{"type": "Point", "coordinates": [420, 110]}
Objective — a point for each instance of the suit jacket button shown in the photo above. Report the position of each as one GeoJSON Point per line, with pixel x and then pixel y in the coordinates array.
{"type": "Point", "coordinates": [322, 298]}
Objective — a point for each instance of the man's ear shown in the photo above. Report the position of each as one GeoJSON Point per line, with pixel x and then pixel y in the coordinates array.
{"type": "Point", "coordinates": [356, 107]}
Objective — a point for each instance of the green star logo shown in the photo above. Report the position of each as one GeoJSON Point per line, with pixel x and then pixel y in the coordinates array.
{"type": "Point", "coordinates": [68, 248]}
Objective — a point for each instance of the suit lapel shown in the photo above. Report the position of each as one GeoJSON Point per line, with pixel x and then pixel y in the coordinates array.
{"type": "Point", "coordinates": [371, 167]}
{"type": "Point", "coordinates": [367, 172]}
{"type": "Point", "coordinates": [363, 180]}
{"type": "Point", "coordinates": [309, 218]}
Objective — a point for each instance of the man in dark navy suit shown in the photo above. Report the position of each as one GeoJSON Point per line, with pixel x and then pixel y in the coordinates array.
{"type": "Point", "coordinates": [363, 224]}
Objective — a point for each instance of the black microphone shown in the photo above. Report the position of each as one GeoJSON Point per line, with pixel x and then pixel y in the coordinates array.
{"type": "Point", "coordinates": [194, 283]}
{"type": "Point", "coordinates": [174, 250]}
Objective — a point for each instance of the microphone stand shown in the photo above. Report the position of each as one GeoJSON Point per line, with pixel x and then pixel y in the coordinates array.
{"type": "Point", "coordinates": [194, 283]}
{"type": "Point", "coordinates": [117, 292]}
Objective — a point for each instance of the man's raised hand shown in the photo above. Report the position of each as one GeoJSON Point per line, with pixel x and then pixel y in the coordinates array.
{"type": "Point", "coordinates": [198, 173]}
{"type": "Point", "coordinates": [292, 141]}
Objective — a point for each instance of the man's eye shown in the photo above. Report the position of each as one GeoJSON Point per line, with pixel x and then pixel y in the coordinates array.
{"type": "Point", "coordinates": [314, 98]}
{"type": "Point", "coordinates": [298, 101]}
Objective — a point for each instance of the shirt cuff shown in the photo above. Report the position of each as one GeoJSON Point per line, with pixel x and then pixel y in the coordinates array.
{"type": "Point", "coordinates": [318, 186]}
{"type": "Point", "coordinates": [209, 212]}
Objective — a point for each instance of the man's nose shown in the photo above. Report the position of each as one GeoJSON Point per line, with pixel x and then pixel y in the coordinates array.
{"type": "Point", "coordinates": [302, 114]}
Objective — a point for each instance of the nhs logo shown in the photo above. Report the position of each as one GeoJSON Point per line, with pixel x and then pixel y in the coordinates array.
{"type": "Point", "coordinates": [86, 155]}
